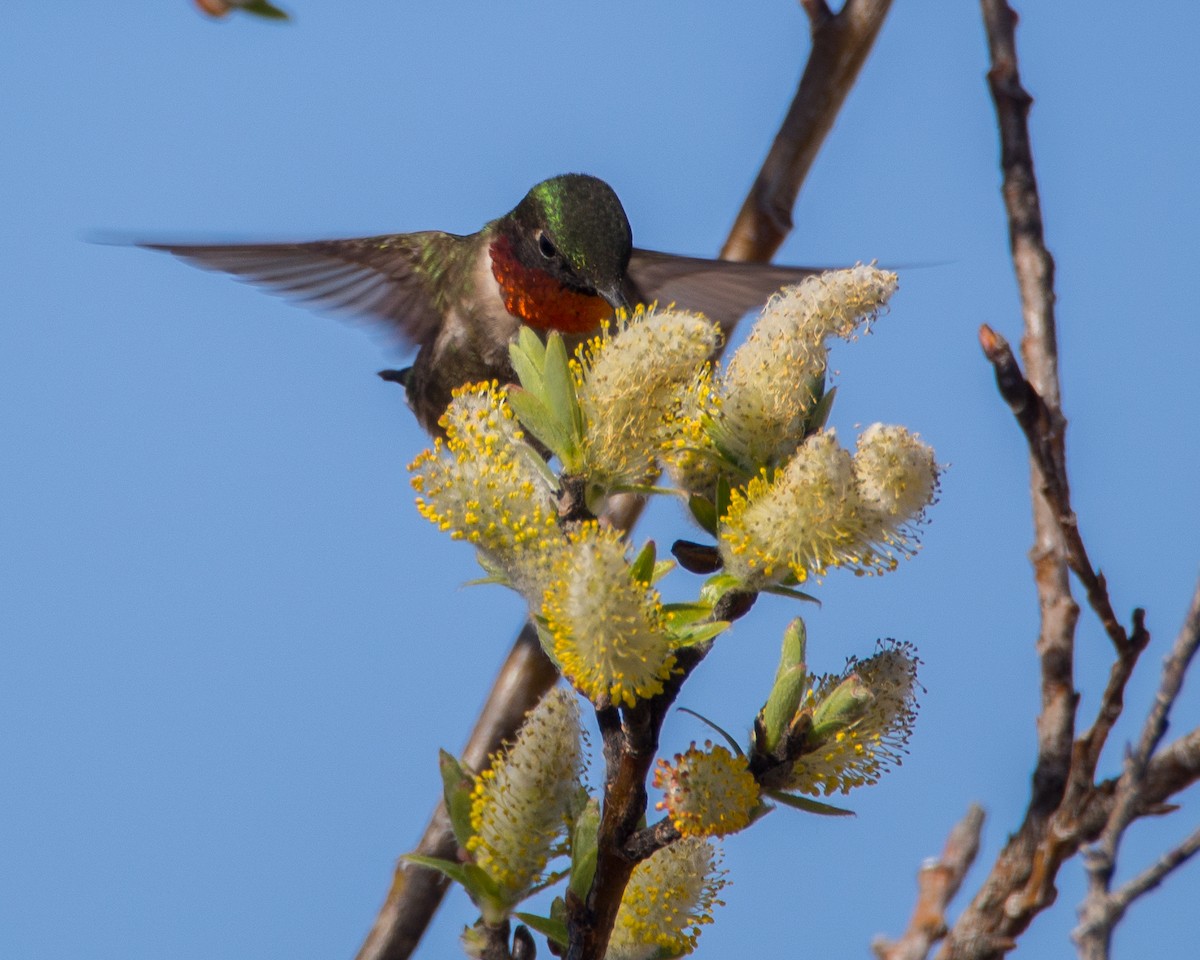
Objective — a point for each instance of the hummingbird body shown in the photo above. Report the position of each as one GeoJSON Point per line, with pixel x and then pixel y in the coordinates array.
{"type": "Point", "coordinates": [562, 259]}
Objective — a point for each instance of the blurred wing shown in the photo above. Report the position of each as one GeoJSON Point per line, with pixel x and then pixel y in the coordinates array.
{"type": "Point", "coordinates": [723, 290]}
{"type": "Point", "coordinates": [387, 278]}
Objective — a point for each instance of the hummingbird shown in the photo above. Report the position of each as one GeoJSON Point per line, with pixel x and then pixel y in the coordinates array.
{"type": "Point", "coordinates": [561, 260]}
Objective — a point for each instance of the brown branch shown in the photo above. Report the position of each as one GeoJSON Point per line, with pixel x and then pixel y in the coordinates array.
{"type": "Point", "coordinates": [1112, 701]}
{"type": "Point", "coordinates": [1035, 420]}
{"type": "Point", "coordinates": [840, 46]}
{"type": "Point", "coordinates": [1042, 429]}
{"type": "Point", "coordinates": [1021, 881]}
{"type": "Point", "coordinates": [1117, 903]}
{"type": "Point", "coordinates": [937, 883]}
{"type": "Point", "coordinates": [1002, 909]}
{"type": "Point", "coordinates": [1059, 613]}
{"type": "Point", "coordinates": [1102, 909]}
{"type": "Point", "coordinates": [1066, 809]}
{"type": "Point", "coordinates": [1173, 769]}
{"type": "Point", "coordinates": [630, 745]}
{"type": "Point", "coordinates": [416, 891]}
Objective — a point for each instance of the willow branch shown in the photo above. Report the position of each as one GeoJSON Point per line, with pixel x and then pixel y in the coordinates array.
{"type": "Point", "coordinates": [1042, 429]}
{"type": "Point", "coordinates": [937, 883]}
{"type": "Point", "coordinates": [840, 44]}
{"type": "Point", "coordinates": [839, 47]}
{"type": "Point", "coordinates": [1036, 422]}
{"type": "Point", "coordinates": [630, 746]}
{"type": "Point", "coordinates": [1039, 347]}
{"type": "Point", "coordinates": [1020, 883]}
{"type": "Point", "coordinates": [1117, 903]}
{"type": "Point", "coordinates": [416, 891]}
{"type": "Point", "coordinates": [1066, 808]}
{"type": "Point", "coordinates": [1101, 908]}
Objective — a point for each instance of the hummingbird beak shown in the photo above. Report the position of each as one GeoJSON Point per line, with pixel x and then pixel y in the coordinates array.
{"type": "Point", "coordinates": [615, 297]}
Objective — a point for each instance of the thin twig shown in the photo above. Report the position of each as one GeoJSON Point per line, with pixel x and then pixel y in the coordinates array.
{"type": "Point", "coordinates": [1043, 429]}
{"type": "Point", "coordinates": [1101, 910]}
{"type": "Point", "coordinates": [937, 883]}
{"type": "Point", "coordinates": [1112, 701]}
{"type": "Point", "coordinates": [416, 891]}
{"type": "Point", "coordinates": [1021, 882]}
{"type": "Point", "coordinates": [1153, 875]}
{"type": "Point", "coordinates": [840, 44]}
{"type": "Point", "coordinates": [1099, 915]}
{"type": "Point", "coordinates": [1035, 277]}
{"type": "Point", "coordinates": [1066, 808]}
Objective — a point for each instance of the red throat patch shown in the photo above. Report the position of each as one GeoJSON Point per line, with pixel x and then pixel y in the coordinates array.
{"type": "Point", "coordinates": [540, 301]}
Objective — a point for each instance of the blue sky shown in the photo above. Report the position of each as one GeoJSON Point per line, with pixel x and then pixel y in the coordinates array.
{"type": "Point", "coordinates": [231, 648]}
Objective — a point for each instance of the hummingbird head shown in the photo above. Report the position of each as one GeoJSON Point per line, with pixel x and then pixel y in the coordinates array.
{"type": "Point", "coordinates": [574, 229]}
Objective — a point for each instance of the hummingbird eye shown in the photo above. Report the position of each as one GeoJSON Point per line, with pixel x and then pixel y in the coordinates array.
{"type": "Point", "coordinates": [548, 250]}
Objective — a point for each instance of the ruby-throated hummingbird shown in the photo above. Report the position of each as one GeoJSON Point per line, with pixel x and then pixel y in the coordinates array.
{"type": "Point", "coordinates": [563, 259]}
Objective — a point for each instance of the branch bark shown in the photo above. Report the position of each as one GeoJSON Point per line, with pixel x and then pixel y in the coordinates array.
{"type": "Point", "coordinates": [416, 891]}
{"type": "Point", "coordinates": [1066, 808]}
{"type": "Point", "coordinates": [1103, 909]}
{"type": "Point", "coordinates": [937, 883]}
{"type": "Point", "coordinates": [840, 44]}
{"type": "Point", "coordinates": [1021, 882]}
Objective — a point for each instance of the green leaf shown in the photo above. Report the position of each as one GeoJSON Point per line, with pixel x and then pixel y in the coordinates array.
{"type": "Point", "coordinates": [760, 810]}
{"type": "Point", "coordinates": [554, 930]}
{"type": "Point", "coordinates": [820, 411]}
{"type": "Point", "coordinates": [455, 871]}
{"type": "Point", "coordinates": [725, 735]}
{"type": "Point", "coordinates": [546, 640]}
{"type": "Point", "coordinates": [794, 649]}
{"type": "Point", "coordinates": [583, 849]}
{"type": "Point", "coordinates": [690, 636]}
{"type": "Point", "coordinates": [809, 806]}
{"type": "Point", "coordinates": [457, 786]}
{"type": "Point", "coordinates": [705, 513]}
{"type": "Point", "coordinates": [494, 579]}
{"type": "Point", "coordinates": [682, 614]}
{"type": "Point", "coordinates": [495, 573]}
{"type": "Point", "coordinates": [480, 884]}
{"type": "Point", "coordinates": [560, 394]}
{"type": "Point", "coordinates": [528, 356]}
{"type": "Point", "coordinates": [722, 501]}
{"type": "Point", "coordinates": [661, 569]}
{"type": "Point", "coordinates": [783, 591]}
{"type": "Point", "coordinates": [782, 703]}
{"type": "Point", "coordinates": [642, 568]}
{"type": "Point", "coordinates": [539, 420]}
{"type": "Point", "coordinates": [716, 586]}
{"type": "Point", "coordinates": [538, 462]}
{"type": "Point", "coordinates": [268, 11]}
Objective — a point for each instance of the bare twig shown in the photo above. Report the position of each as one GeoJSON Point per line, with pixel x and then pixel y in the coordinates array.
{"type": "Point", "coordinates": [840, 46]}
{"type": "Point", "coordinates": [416, 891]}
{"type": "Point", "coordinates": [1066, 807]}
{"type": "Point", "coordinates": [1112, 701]}
{"type": "Point", "coordinates": [1152, 876]}
{"type": "Point", "coordinates": [1043, 431]}
{"type": "Point", "coordinates": [1101, 909]}
{"type": "Point", "coordinates": [1021, 881]}
{"type": "Point", "coordinates": [937, 883]}
{"type": "Point", "coordinates": [1035, 277]}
